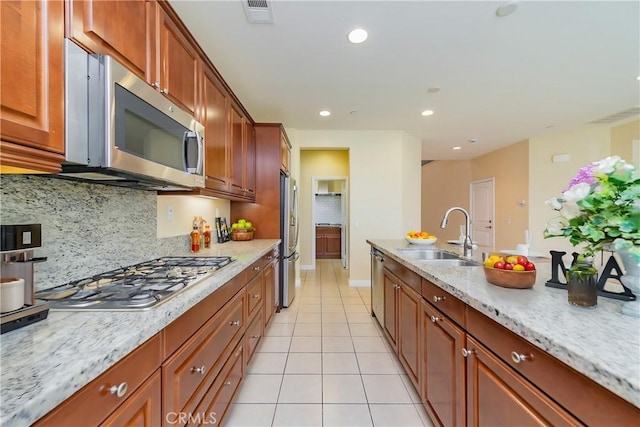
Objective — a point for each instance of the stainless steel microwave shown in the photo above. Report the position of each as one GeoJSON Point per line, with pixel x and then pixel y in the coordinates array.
{"type": "Point", "coordinates": [121, 131]}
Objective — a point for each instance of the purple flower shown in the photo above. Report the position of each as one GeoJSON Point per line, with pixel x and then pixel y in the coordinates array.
{"type": "Point", "coordinates": [585, 175]}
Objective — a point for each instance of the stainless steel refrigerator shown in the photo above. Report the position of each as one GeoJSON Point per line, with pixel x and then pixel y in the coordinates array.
{"type": "Point", "coordinates": [289, 232]}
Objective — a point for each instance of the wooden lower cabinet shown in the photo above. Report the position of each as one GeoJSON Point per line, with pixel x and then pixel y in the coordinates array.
{"type": "Point", "coordinates": [391, 288]}
{"type": "Point", "coordinates": [443, 368]}
{"type": "Point", "coordinates": [409, 315]}
{"type": "Point", "coordinates": [496, 395]}
{"type": "Point", "coordinates": [188, 373]}
{"type": "Point", "coordinates": [143, 408]}
{"type": "Point", "coordinates": [328, 242]}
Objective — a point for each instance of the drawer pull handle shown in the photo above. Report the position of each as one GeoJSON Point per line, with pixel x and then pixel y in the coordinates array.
{"type": "Point", "coordinates": [201, 370]}
{"type": "Point", "coordinates": [435, 319]}
{"type": "Point", "coordinates": [255, 336]}
{"type": "Point", "coordinates": [437, 298]}
{"type": "Point", "coordinates": [227, 384]}
{"type": "Point", "coordinates": [256, 268]}
{"type": "Point", "coordinates": [256, 296]}
{"type": "Point", "coordinates": [165, 91]}
{"type": "Point", "coordinates": [519, 357]}
{"type": "Point", "coordinates": [467, 353]}
{"type": "Point", "coordinates": [234, 323]}
{"type": "Point", "coordinates": [119, 390]}
{"type": "Point", "coordinates": [269, 257]}
{"type": "Point", "coordinates": [155, 85]}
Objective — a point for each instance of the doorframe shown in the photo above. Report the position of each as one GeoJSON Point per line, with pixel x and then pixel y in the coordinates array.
{"type": "Point", "coordinates": [345, 221]}
{"type": "Point", "coordinates": [492, 180]}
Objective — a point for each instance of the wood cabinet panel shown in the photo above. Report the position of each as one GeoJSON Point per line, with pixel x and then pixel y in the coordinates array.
{"type": "Point", "coordinates": [252, 337]}
{"type": "Point", "coordinates": [285, 154]}
{"type": "Point", "coordinates": [143, 408]}
{"type": "Point", "coordinates": [237, 145]}
{"type": "Point", "coordinates": [271, 281]}
{"type": "Point", "coordinates": [390, 308]}
{"type": "Point", "coordinates": [128, 37]}
{"type": "Point", "coordinates": [219, 397]}
{"type": "Point", "coordinates": [443, 368]}
{"type": "Point", "coordinates": [328, 242]}
{"type": "Point", "coordinates": [94, 402]}
{"type": "Point", "coordinates": [190, 371]}
{"type": "Point", "coordinates": [216, 123]}
{"type": "Point", "coordinates": [590, 402]}
{"type": "Point", "coordinates": [444, 301]}
{"type": "Point", "coordinates": [254, 296]}
{"type": "Point", "coordinates": [32, 85]}
{"type": "Point", "coordinates": [180, 70]}
{"type": "Point", "coordinates": [498, 396]}
{"type": "Point", "coordinates": [403, 273]}
{"type": "Point", "coordinates": [409, 315]}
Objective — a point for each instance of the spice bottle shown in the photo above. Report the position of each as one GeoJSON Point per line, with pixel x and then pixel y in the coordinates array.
{"type": "Point", "coordinates": [207, 236]}
{"type": "Point", "coordinates": [195, 239]}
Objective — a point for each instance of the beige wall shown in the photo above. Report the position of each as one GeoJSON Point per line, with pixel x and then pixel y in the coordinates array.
{"type": "Point", "coordinates": [509, 167]}
{"type": "Point", "coordinates": [384, 166]}
{"type": "Point", "coordinates": [184, 209]}
{"type": "Point", "coordinates": [445, 183]}
{"type": "Point", "coordinates": [620, 137]}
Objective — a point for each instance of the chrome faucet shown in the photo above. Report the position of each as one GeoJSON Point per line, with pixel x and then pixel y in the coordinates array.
{"type": "Point", "coordinates": [467, 244]}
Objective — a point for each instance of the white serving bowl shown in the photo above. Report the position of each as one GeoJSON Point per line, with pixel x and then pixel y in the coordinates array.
{"type": "Point", "coordinates": [423, 242]}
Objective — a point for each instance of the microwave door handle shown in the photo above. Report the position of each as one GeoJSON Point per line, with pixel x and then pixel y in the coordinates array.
{"type": "Point", "coordinates": [200, 166]}
{"type": "Point", "coordinates": [185, 152]}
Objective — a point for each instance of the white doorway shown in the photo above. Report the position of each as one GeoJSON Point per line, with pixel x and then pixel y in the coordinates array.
{"type": "Point", "coordinates": [482, 212]}
{"type": "Point", "coordinates": [339, 213]}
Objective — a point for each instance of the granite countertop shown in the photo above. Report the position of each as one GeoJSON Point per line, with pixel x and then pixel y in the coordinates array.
{"type": "Point", "coordinates": [45, 363]}
{"type": "Point", "coordinates": [601, 343]}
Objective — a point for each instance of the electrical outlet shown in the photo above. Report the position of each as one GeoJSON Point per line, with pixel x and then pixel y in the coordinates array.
{"type": "Point", "coordinates": [169, 213]}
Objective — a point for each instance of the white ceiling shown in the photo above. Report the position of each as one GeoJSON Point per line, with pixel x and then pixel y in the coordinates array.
{"type": "Point", "coordinates": [548, 67]}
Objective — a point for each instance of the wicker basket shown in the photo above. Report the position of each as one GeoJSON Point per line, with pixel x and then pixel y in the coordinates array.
{"type": "Point", "coordinates": [509, 278]}
{"type": "Point", "coordinates": [241, 235]}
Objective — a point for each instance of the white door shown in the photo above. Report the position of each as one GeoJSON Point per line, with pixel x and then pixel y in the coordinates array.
{"type": "Point", "coordinates": [482, 202]}
{"type": "Point", "coordinates": [345, 222]}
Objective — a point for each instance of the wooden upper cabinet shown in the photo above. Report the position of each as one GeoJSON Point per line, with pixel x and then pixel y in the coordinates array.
{"type": "Point", "coordinates": [250, 160]}
{"type": "Point", "coordinates": [237, 136]}
{"type": "Point", "coordinates": [216, 124]}
{"type": "Point", "coordinates": [179, 68]}
{"type": "Point", "coordinates": [32, 85]}
{"type": "Point", "coordinates": [285, 154]}
{"type": "Point", "coordinates": [123, 29]}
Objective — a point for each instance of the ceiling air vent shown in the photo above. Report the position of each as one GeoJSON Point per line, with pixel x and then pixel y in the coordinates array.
{"type": "Point", "coordinates": [258, 11]}
{"type": "Point", "coordinates": [626, 114]}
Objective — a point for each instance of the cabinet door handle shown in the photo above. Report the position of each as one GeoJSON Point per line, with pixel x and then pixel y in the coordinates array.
{"type": "Point", "coordinates": [437, 298]}
{"type": "Point", "coordinates": [119, 390]}
{"type": "Point", "coordinates": [165, 91]}
{"type": "Point", "coordinates": [256, 268]}
{"type": "Point", "coordinates": [255, 336]}
{"type": "Point", "coordinates": [467, 353]}
{"type": "Point", "coordinates": [255, 296]}
{"type": "Point", "coordinates": [519, 357]}
{"type": "Point", "coordinates": [269, 257]}
{"type": "Point", "coordinates": [234, 323]}
{"type": "Point", "coordinates": [435, 319]}
{"type": "Point", "coordinates": [227, 384]}
{"type": "Point", "coordinates": [201, 370]}
{"type": "Point", "coordinates": [155, 85]}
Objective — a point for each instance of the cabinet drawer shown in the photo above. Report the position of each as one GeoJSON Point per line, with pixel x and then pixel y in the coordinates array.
{"type": "Point", "coordinates": [142, 408]}
{"type": "Point", "coordinates": [220, 395]}
{"type": "Point", "coordinates": [403, 273]}
{"type": "Point", "coordinates": [590, 402]}
{"type": "Point", "coordinates": [254, 296]}
{"type": "Point", "coordinates": [188, 373]}
{"type": "Point", "coordinates": [94, 402]}
{"type": "Point", "coordinates": [252, 337]}
{"type": "Point", "coordinates": [447, 303]}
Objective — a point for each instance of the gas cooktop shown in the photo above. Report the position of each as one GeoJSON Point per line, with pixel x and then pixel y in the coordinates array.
{"type": "Point", "coordinates": [136, 287]}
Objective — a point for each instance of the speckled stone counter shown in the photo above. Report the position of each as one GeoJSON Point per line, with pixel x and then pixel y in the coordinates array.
{"type": "Point", "coordinates": [601, 343]}
{"type": "Point", "coordinates": [45, 363]}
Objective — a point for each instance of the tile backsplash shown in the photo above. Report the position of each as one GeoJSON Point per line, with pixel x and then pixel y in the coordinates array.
{"type": "Point", "coordinates": [86, 228]}
{"type": "Point", "coordinates": [329, 209]}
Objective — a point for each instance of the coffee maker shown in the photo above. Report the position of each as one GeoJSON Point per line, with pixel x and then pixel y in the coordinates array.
{"type": "Point", "coordinates": [16, 250]}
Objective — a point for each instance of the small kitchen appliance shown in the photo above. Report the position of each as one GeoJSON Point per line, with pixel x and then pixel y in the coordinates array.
{"type": "Point", "coordinates": [136, 287]}
{"type": "Point", "coordinates": [16, 248]}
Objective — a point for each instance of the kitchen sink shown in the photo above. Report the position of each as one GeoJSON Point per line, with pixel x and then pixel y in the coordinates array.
{"type": "Point", "coordinates": [457, 262]}
{"type": "Point", "coordinates": [428, 254]}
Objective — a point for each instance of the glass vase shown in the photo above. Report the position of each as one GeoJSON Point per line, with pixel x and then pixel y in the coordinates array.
{"type": "Point", "coordinates": [582, 279]}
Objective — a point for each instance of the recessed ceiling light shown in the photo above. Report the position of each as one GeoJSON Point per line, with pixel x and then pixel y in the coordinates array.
{"type": "Point", "coordinates": [358, 35]}
{"type": "Point", "coordinates": [434, 89]}
{"type": "Point", "coordinates": [506, 8]}
{"type": "Point", "coordinates": [325, 113]}
{"type": "Point", "coordinates": [638, 78]}
{"type": "Point", "coordinates": [457, 148]}
{"type": "Point", "coordinates": [427, 112]}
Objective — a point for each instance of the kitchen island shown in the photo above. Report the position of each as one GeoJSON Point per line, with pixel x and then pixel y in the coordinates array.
{"type": "Point", "coordinates": [601, 343]}
{"type": "Point", "coordinates": [45, 363]}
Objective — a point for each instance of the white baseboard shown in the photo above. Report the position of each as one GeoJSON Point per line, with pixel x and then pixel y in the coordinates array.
{"type": "Point", "coordinates": [307, 267]}
{"type": "Point", "coordinates": [298, 283]}
{"type": "Point", "coordinates": [360, 283]}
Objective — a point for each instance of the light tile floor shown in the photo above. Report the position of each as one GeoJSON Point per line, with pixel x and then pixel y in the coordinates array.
{"type": "Point", "coordinates": [325, 362]}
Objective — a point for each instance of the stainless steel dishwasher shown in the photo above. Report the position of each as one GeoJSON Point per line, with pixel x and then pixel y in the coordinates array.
{"type": "Point", "coordinates": [377, 285]}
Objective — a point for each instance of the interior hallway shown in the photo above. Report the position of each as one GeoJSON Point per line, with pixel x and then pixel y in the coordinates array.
{"type": "Point", "coordinates": [324, 362]}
